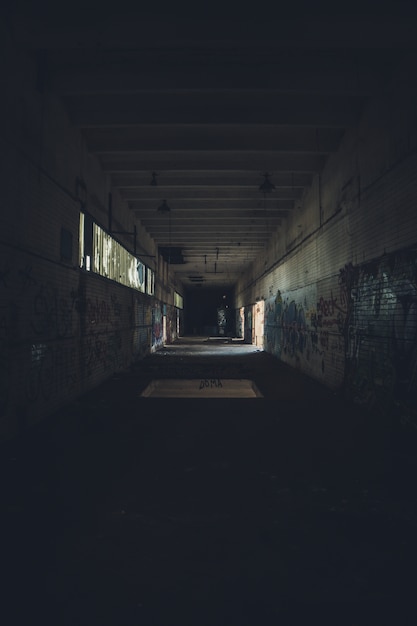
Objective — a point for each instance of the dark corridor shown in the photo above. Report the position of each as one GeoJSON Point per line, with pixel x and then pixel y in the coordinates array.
{"type": "Point", "coordinates": [291, 508]}
{"type": "Point", "coordinates": [201, 311]}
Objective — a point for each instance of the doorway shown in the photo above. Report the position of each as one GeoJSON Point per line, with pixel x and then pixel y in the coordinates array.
{"type": "Point", "coordinates": [258, 324]}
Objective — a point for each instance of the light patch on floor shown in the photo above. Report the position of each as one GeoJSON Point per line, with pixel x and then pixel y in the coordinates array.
{"type": "Point", "coordinates": [202, 388]}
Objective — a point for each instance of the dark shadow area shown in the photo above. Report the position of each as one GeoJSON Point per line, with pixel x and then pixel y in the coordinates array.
{"type": "Point", "coordinates": [293, 508]}
{"type": "Point", "coordinates": [201, 311]}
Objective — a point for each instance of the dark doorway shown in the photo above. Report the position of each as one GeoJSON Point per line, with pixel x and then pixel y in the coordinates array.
{"type": "Point", "coordinates": [201, 312]}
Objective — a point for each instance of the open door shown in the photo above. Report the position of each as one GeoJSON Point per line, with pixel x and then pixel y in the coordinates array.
{"type": "Point", "coordinates": [258, 323]}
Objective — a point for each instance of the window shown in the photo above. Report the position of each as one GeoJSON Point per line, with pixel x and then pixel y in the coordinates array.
{"type": "Point", "coordinates": [99, 252]}
{"type": "Point", "coordinates": [150, 281]}
{"type": "Point", "coordinates": [85, 241]}
{"type": "Point", "coordinates": [178, 300]}
{"type": "Point", "coordinates": [141, 275]}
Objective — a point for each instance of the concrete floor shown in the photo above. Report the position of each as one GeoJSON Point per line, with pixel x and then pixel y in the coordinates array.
{"type": "Point", "coordinates": [291, 508]}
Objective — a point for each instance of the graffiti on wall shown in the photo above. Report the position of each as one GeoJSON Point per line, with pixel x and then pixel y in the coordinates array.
{"type": "Point", "coordinates": [357, 331]}
{"type": "Point", "coordinates": [381, 339]}
{"type": "Point", "coordinates": [101, 333]}
{"type": "Point", "coordinates": [56, 335]}
{"type": "Point", "coordinates": [51, 313]}
{"type": "Point", "coordinates": [171, 324]}
{"type": "Point", "coordinates": [17, 286]}
{"type": "Point", "coordinates": [286, 327]}
{"type": "Point", "coordinates": [53, 371]}
{"type": "Point", "coordinates": [141, 323]}
{"type": "Point", "coordinates": [305, 329]}
{"type": "Point", "coordinates": [157, 329]}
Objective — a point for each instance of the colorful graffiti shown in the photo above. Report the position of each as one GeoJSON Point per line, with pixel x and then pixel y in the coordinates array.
{"type": "Point", "coordinates": [157, 328]}
{"type": "Point", "coordinates": [356, 331]}
{"type": "Point", "coordinates": [286, 327]}
{"type": "Point", "coordinates": [293, 324]}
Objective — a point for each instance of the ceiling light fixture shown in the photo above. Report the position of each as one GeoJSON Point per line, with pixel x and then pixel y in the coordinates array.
{"type": "Point", "coordinates": [164, 208]}
{"type": "Point", "coordinates": [266, 186]}
{"type": "Point", "coordinates": [153, 181]}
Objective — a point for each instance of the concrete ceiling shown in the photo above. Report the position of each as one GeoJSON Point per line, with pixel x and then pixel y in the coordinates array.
{"type": "Point", "coordinates": [210, 106]}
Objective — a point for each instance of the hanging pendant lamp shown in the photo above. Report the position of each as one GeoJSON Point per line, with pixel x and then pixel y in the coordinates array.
{"type": "Point", "coordinates": [266, 186]}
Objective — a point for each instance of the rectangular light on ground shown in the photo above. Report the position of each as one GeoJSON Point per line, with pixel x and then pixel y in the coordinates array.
{"type": "Point", "coordinates": [202, 388]}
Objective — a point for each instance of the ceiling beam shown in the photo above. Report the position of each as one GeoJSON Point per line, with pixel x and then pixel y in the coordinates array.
{"type": "Point", "coordinates": [240, 213]}
{"type": "Point", "coordinates": [192, 180]}
{"type": "Point", "coordinates": [170, 108]}
{"type": "Point", "coordinates": [269, 76]}
{"type": "Point", "coordinates": [226, 238]}
{"type": "Point", "coordinates": [207, 221]}
{"type": "Point", "coordinates": [194, 231]}
{"type": "Point", "coordinates": [64, 30]}
{"type": "Point", "coordinates": [208, 206]}
{"type": "Point", "coordinates": [230, 253]}
{"type": "Point", "coordinates": [199, 160]}
{"type": "Point", "coordinates": [219, 193]}
{"type": "Point", "coordinates": [224, 137]}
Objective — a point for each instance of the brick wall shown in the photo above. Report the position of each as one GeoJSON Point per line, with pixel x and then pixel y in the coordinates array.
{"type": "Point", "coordinates": [63, 330]}
{"type": "Point", "coordinates": [339, 278]}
